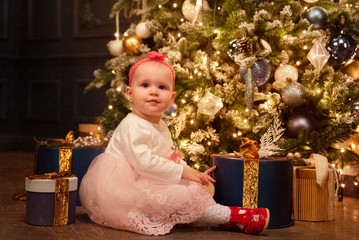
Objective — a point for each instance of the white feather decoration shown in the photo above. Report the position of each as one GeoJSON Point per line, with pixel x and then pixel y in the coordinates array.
{"type": "Point", "coordinates": [268, 140]}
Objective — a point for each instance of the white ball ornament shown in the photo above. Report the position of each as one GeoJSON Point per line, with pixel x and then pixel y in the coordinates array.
{"type": "Point", "coordinates": [189, 9]}
{"type": "Point", "coordinates": [115, 47]}
{"type": "Point", "coordinates": [310, 1]}
{"type": "Point", "coordinates": [283, 73]}
{"type": "Point", "coordinates": [142, 30]}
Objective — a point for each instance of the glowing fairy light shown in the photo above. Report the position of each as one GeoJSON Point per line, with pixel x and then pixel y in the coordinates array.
{"type": "Point", "coordinates": [234, 135]}
{"type": "Point", "coordinates": [99, 128]}
{"type": "Point", "coordinates": [319, 91]}
{"type": "Point", "coordinates": [192, 121]}
{"type": "Point", "coordinates": [182, 19]}
{"type": "Point", "coordinates": [356, 183]}
{"type": "Point", "coordinates": [110, 107]}
{"type": "Point", "coordinates": [196, 166]}
{"type": "Point", "coordinates": [245, 121]}
{"type": "Point", "coordinates": [183, 101]}
{"type": "Point", "coordinates": [239, 133]}
{"type": "Point", "coordinates": [160, 6]}
{"type": "Point", "coordinates": [305, 47]}
{"type": "Point", "coordinates": [297, 63]}
{"type": "Point", "coordinates": [342, 150]}
{"type": "Point", "coordinates": [218, 52]}
{"type": "Point", "coordinates": [342, 185]}
{"type": "Point", "coordinates": [175, 5]}
{"type": "Point", "coordinates": [118, 89]}
{"type": "Point", "coordinates": [285, 36]}
{"type": "Point", "coordinates": [209, 143]}
{"type": "Point", "coordinates": [179, 35]}
{"type": "Point", "coordinates": [113, 72]}
{"type": "Point", "coordinates": [125, 34]}
{"type": "Point", "coordinates": [333, 165]}
{"type": "Point", "coordinates": [191, 77]}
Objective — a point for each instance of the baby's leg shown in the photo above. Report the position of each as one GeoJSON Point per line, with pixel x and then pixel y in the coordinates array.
{"type": "Point", "coordinates": [214, 216]}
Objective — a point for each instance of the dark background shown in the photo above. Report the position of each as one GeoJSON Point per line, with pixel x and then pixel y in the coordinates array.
{"type": "Point", "coordinates": [48, 52]}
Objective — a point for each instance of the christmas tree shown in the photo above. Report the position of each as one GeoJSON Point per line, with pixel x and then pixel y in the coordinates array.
{"type": "Point", "coordinates": [281, 72]}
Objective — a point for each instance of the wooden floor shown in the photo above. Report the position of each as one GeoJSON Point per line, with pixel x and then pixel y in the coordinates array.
{"type": "Point", "coordinates": [12, 213]}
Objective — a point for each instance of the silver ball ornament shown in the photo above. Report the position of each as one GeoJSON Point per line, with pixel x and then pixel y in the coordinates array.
{"type": "Point", "coordinates": [355, 110]}
{"type": "Point", "coordinates": [294, 95]}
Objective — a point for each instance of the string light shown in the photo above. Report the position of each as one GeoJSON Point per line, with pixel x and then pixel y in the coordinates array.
{"type": "Point", "coordinates": [304, 31]}
{"type": "Point", "coordinates": [215, 31]}
{"type": "Point", "coordinates": [297, 63]}
{"type": "Point", "coordinates": [342, 185]}
{"type": "Point", "coordinates": [192, 121]}
{"type": "Point", "coordinates": [285, 36]}
{"type": "Point", "coordinates": [178, 34]}
{"type": "Point", "coordinates": [182, 19]}
{"type": "Point", "coordinates": [342, 150]}
{"type": "Point", "coordinates": [110, 107]}
{"type": "Point", "coordinates": [218, 52]}
{"type": "Point", "coordinates": [319, 91]}
{"type": "Point", "coordinates": [201, 24]}
{"type": "Point", "coordinates": [99, 128]}
{"type": "Point", "coordinates": [175, 5]}
{"type": "Point", "coordinates": [247, 110]}
{"type": "Point", "coordinates": [245, 121]}
{"type": "Point", "coordinates": [173, 114]}
{"type": "Point", "coordinates": [333, 165]}
{"type": "Point", "coordinates": [239, 133]}
{"type": "Point", "coordinates": [191, 77]}
{"type": "Point", "coordinates": [305, 47]}
{"type": "Point", "coordinates": [209, 143]}
{"type": "Point", "coordinates": [356, 183]}
{"type": "Point", "coordinates": [160, 6]}
{"type": "Point", "coordinates": [196, 166]}
{"type": "Point", "coordinates": [183, 101]}
{"type": "Point", "coordinates": [234, 135]}
{"type": "Point", "coordinates": [113, 72]}
{"type": "Point", "coordinates": [305, 8]}
{"type": "Point", "coordinates": [118, 89]}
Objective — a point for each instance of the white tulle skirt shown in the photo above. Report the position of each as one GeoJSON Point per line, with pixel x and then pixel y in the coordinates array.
{"type": "Point", "coordinates": [115, 195]}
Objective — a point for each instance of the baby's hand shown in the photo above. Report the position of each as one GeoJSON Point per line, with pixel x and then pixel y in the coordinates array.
{"type": "Point", "coordinates": [196, 176]}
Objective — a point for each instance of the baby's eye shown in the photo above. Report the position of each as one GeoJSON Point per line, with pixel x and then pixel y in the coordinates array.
{"type": "Point", "coordinates": [145, 85]}
{"type": "Point", "coordinates": [162, 87]}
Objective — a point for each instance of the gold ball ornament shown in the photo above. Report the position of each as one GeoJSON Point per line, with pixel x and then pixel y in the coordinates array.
{"type": "Point", "coordinates": [131, 44]}
{"type": "Point", "coordinates": [115, 47]}
{"type": "Point", "coordinates": [352, 69]}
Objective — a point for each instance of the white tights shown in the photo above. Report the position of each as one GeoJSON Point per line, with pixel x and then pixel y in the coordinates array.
{"type": "Point", "coordinates": [214, 216]}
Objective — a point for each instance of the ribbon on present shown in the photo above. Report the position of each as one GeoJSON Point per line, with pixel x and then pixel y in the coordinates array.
{"type": "Point", "coordinates": [65, 154]}
{"type": "Point", "coordinates": [249, 150]}
{"type": "Point", "coordinates": [62, 187]}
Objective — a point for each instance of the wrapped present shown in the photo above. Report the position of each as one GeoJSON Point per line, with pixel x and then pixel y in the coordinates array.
{"type": "Point", "coordinates": [51, 199]}
{"type": "Point", "coordinates": [312, 202]}
{"type": "Point", "coordinates": [81, 158]}
{"type": "Point", "coordinates": [246, 183]}
{"type": "Point", "coordinates": [66, 157]}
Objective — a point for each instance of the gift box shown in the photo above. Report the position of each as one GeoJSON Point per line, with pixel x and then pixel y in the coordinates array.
{"type": "Point", "coordinates": [351, 186]}
{"type": "Point", "coordinates": [47, 160]}
{"type": "Point", "coordinates": [274, 186]}
{"type": "Point", "coordinates": [312, 202]}
{"type": "Point", "coordinates": [51, 202]}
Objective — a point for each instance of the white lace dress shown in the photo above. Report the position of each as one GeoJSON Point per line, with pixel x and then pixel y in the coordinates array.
{"type": "Point", "coordinates": [134, 186]}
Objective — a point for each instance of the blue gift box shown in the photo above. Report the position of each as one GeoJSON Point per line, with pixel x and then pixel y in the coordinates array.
{"type": "Point", "coordinates": [48, 161]}
{"type": "Point", "coordinates": [274, 186]}
{"type": "Point", "coordinates": [40, 201]}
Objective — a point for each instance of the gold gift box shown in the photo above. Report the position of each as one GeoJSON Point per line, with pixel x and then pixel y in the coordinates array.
{"type": "Point", "coordinates": [311, 202]}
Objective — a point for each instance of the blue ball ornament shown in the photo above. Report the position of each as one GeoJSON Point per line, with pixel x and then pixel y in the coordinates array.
{"type": "Point", "coordinates": [172, 109]}
{"type": "Point", "coordinates": [341, 48]}
{"type": "Point", "coordinates": [261, 71]}
{"type": "Point", "coordinates": [317, 16]}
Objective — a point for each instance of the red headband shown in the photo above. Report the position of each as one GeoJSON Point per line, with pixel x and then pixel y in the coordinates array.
{"type": "Point", "coordinates": [152, 56]}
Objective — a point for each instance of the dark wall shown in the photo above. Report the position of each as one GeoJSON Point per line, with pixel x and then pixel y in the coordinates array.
{"type": "Point", "coordinates": [48, 52]}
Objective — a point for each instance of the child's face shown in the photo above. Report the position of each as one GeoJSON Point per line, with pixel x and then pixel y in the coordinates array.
{"type": "Point", "coordinates": [151, 91]}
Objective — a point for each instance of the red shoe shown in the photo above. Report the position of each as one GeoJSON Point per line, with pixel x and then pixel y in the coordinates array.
{"type": "Point", "coordinates": [248, 220]}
